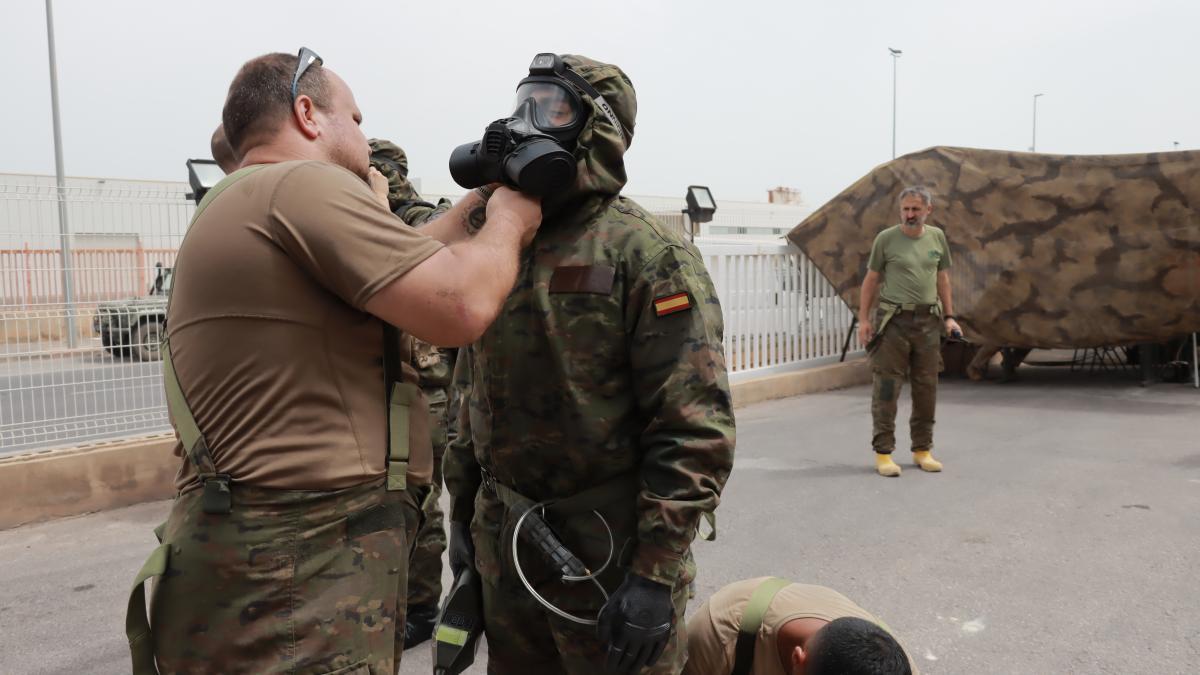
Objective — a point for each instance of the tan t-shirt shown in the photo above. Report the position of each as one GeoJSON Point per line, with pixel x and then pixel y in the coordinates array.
{"type": "Point", "coordinates": [281, 366]}
{"type": "Point", "coordinates": [713, 629]}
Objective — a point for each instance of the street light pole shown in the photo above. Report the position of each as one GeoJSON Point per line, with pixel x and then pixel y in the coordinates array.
{"type": "Point", "coordinates": [895, 57]}
{"type": "Point", "coordinates": [1033, 144]}
{"type": "Point", "coordinates": [68, 280]}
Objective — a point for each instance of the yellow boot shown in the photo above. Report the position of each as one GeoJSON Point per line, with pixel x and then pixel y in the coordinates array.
{"type": "Point", "coordinates": [925, 460]}
{"type": "Point", "coordinates": [885, 466]}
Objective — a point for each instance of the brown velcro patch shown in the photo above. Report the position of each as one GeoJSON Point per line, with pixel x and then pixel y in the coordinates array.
{"type": "Point", "coordinates": [583, 279]}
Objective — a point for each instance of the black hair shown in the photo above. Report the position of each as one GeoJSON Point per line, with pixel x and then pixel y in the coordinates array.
{"type": "Point", "coordinates": [852, 646]}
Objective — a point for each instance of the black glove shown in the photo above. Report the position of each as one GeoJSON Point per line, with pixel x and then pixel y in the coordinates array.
{"type": "Point", "coordinates": [462, 549]}
{"type": "Point", "coordinates": [636, 624]}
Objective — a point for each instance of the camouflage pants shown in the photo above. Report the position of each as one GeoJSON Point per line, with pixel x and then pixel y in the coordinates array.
{"type": "Point", "coordinates": [523, 637]}
{"type": "Point", "coordinates": [910, 346]}
{"type": "Point", "coordinates": [425, 565]}
{"type": "Point", "coordinates": [288, 582]}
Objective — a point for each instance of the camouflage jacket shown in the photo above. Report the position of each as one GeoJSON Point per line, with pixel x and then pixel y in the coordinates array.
{"type": "Point", "coordinates": [606, 361]}
{"type": "Point", "coordinates": [433, 364]}
{"type": "Point", "coordinates": [403, 199]}
{"type": "Point", "coordinates": [577, 384]}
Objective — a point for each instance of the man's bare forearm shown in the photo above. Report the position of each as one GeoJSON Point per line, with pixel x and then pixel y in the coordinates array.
{"type": "Point", "coordinates": [944, 294]}
{"type": "Point", "coordinates": [488, 266]}
{"type": "Point", "coordinates": [452, 297]}
{"type": "Point", "coordinates": [460, 222]}
{"type": "Point", "coordinates": [867, 297]}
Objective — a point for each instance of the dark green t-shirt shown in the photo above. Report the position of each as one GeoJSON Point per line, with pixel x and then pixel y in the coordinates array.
{"type": "Point", "coordinates": [909, 266]}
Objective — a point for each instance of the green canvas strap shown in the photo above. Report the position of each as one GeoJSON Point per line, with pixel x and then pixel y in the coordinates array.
{"type": "Point", "coordinates": [185, 424]}
{"type": "Point", "coordinates": [752, 619]}
{"type": "Point", "coordinates": [208, 199]}
{"type": "Point", "coordinates": [935, 308]}
{"type": "Point", "coordinates": [222, 185]}
{"type": "Point", "coordinates": [137, 624]}
{"type": "Point", "coordinates": [889, 311]}
{"type": "Point", "coordinates": [217, 498]}
{"type": "Point", "coordinates": [400, 402]}
{"type": "Point", "coordinates": [402, 395]}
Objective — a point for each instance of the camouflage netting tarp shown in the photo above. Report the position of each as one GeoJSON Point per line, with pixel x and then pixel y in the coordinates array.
{"type": "Point", "coordinates": [1048, 250]}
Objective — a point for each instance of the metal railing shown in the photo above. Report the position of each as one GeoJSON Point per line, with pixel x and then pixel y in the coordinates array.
{"type": "Point", "coordinates": [780, 313]}
{"type": "Point", "coordinates": [79, 313]}
{"type": "Point", "coordinates": [33, 276]}
{"type": "Point", "coordinates": [82, 366]}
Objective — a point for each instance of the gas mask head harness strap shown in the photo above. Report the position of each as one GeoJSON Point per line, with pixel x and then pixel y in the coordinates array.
{"type": "Point", "coordinates": [549, 68]}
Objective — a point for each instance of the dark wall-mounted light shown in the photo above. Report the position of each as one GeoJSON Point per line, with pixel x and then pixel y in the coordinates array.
{"type": "Point", "coordinates": [203, 174]}
{"type": "Point", "coordinates": [700, 206]}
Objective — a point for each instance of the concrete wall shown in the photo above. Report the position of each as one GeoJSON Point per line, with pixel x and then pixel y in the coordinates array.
{"type": "Point", "coordinates": [809, 381]}
{"type": "Point", "coordinates": [70, 482]}
{"type": "Point", "coordinates": [60, 483]}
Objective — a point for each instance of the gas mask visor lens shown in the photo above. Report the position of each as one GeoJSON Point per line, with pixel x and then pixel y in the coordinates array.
{"type": "Point", "coordinates": [549, 106]}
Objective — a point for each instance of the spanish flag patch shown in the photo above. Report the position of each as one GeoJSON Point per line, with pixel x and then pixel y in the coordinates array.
{"type": "Point", "coordinates": [672, 303]}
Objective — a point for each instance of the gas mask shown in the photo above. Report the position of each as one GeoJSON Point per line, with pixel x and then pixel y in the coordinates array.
{"type": "Point", "coordinates": [532, 150]}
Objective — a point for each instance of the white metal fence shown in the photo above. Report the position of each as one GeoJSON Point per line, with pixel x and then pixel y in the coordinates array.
{"type": "Point", "coordinates": [84, 368]}
{"type": "Point", "coordinates": [77, 353]}
{"type": "Point", "coordinates": [780, 313]}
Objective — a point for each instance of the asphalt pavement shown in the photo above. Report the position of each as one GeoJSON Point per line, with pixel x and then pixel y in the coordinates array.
{"type": "Point", "coordinates": [83, 395]}
{"type": "Point", "coordinates": [1061, 538]}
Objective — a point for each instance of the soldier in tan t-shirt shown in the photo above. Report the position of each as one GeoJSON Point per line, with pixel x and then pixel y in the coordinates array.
{"type": "Point", "coordinates": [303, 438]}
{"type": "Point", "coordinates": [806, 630]}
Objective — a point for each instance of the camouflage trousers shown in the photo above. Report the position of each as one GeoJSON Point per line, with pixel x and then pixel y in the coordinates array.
{"type": "Point", "coordinates": [909, 347]}
{"type": "Point", "coordinates": [287, 582]}
{"type": "Point", "coordinates": [425, 564]}
{"type": "Point", "coordinates": [525, 637]}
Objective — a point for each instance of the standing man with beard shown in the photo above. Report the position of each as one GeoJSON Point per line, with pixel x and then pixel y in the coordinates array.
{"type": "Point", "coordinates": [302, 436]}
{"type": "Point", "coordinates": [600, 395]}
{"type": "Point", "coordinates": [911, 261]}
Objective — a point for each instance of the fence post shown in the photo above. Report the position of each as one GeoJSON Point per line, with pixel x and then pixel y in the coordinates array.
{"type": "Point", "coordinates": [141, 261]}
{"type": "Point", "coordinates": [26, 299]}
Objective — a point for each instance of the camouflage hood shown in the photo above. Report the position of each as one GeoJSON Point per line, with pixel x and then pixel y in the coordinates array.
{"type": "Point", "coordinates": [599, 150]}
{"type": "Point", "coordinates": [1048, 250]}
{"type": "Point", "coordinates": [391, 161]}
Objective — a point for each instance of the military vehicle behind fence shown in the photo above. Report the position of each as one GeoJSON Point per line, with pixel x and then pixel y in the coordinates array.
{"type": "Point", "coordinates": [134, 327]}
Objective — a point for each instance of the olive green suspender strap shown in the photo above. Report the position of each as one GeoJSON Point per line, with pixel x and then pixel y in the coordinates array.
{"type": "Point", "coordinates": [216, 498]}
{"type": "Point", "coordinates": [401, 396]}
{"type": "Point", "coordinates": [137, 626]}
{"type": "Point", "coordinates": [752, 619]}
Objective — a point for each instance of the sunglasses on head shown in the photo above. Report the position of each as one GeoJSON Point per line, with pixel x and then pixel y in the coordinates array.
{"type": "Point", "coordinates": [307, 58]}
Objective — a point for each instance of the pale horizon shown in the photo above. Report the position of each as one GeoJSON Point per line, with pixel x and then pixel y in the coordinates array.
{"type": "Point", "coordinates": [742, 98]}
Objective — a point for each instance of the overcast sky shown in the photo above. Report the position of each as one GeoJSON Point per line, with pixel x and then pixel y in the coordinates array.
{"type": "Point", "coordinates": [738, 95]}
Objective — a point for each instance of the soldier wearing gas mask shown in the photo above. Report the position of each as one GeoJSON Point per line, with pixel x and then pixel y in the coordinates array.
{"type": "Point", "coordinates": [596, 430]}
